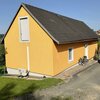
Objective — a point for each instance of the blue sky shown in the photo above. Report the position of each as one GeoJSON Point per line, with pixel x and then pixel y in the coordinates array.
{"type": "Point", "coordinates": [85, 10]}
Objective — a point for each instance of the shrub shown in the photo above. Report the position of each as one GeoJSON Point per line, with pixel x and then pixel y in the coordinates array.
{"type": "Point", "coordinates": [97, 52]}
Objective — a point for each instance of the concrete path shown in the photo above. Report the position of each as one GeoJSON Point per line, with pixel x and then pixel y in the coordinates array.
{"type": "Point", "coordinates": [74, 70]}
{"type": "Point", "coordinates": [83, 86]}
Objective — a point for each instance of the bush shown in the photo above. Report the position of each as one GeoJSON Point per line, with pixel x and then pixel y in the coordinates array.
{"type": "Point", "coordinates": [2, 55]}
{"type": "Point", "coordinates": [62, 98]}
{"type": "Point", "coordinates": [97, 52]}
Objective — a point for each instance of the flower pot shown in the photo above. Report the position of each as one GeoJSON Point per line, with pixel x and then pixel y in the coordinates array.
{"type": "Point", "coordinates": [99, 61]}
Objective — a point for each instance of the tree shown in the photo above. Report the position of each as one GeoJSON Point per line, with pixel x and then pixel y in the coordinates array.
{"type": "Point", "coordinates": [2, 52]}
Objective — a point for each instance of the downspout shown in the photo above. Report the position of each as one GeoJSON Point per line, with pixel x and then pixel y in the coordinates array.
{"type": "Point", "coordinates": [28, 59]}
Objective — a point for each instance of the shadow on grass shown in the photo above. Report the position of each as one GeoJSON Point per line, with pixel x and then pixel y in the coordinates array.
{"type": "Point", "coordinates": [28, 93]}
{"type": "Point", "coordinates": [6, 91]}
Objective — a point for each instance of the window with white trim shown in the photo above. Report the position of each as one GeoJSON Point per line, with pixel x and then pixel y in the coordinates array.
{"type": "Point", "coordinates": [24, 29]}
{"type": "Point", "coordinates": [70, 54]}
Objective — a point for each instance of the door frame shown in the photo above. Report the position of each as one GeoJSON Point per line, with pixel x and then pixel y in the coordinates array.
{"type": "Point", "coordinates": [86, 50]}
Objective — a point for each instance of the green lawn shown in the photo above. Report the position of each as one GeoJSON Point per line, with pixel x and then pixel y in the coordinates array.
{"type": "Point", "coordinates": [10, 87]}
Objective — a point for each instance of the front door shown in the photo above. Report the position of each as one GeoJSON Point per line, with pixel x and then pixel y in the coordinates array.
{"type": "Point", "coordinates": [86, 50]}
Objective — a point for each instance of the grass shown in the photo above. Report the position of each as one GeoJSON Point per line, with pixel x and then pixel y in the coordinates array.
{"type": "Point", "coordinates": [10, 87]}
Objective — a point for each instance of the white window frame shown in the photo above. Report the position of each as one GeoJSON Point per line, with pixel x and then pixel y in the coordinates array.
{"type": "Point", "coordinates": [72, 55]}
{"type": "Point", "coordinates": [20, 29]}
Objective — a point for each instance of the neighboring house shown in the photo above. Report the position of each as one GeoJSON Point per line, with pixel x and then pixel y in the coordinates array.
{"type": "Point", "coordinates": [98, 33]}
{"type": "Point", "coordinates": [46, 43]}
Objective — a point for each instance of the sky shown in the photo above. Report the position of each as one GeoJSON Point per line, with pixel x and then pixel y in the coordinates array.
{"type": "Point", "coordinates": [84, 10]}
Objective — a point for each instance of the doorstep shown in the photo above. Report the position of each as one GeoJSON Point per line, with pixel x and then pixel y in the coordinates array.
{"type": "Point", "coordinates": [69, 73]}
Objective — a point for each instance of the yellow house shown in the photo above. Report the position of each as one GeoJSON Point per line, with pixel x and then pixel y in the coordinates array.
{"type": "Point", "coordinates": [46, 43]}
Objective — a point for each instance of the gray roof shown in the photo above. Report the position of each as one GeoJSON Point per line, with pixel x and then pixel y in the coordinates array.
{"type": "Point", "coordinates": [60, 28]}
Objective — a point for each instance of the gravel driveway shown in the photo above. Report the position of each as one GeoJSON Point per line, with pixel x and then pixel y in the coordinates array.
{"type": "Point", "coordinates": [83, 86]}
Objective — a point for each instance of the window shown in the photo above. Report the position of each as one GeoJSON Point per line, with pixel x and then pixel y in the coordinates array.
{"type": "Point", "coordinates": [70, 54]}
{"type": "Point", "coordinates": [24, 29]}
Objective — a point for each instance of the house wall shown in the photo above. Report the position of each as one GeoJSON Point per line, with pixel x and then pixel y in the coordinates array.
{"type": "Point", "coordinates": [40, 47]}
{"type": "Point", "coordinates": [60, 52]}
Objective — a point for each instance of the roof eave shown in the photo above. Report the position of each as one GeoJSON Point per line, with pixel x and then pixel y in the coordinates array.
{"type": "Point", "coordinates": [79, 41]}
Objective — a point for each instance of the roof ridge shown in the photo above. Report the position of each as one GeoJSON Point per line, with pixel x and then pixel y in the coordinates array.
{"type": "Point", "coordinates": [51, 12]}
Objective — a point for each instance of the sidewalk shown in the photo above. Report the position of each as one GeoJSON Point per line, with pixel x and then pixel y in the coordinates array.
{"type": "Point", "coordinates": [70, 72]}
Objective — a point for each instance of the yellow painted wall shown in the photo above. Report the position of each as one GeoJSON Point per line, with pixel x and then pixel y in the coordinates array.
{"type": "Point", "coordinates": [60, 57]}
{"type": "Point", "coordinates": [40, 46]}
